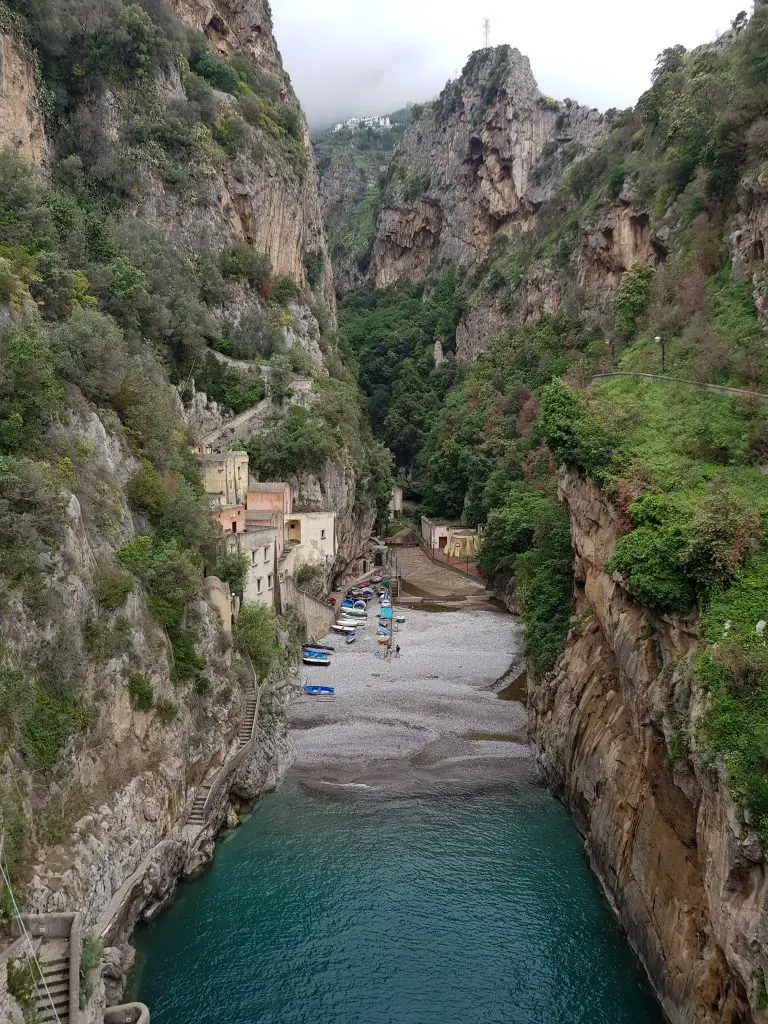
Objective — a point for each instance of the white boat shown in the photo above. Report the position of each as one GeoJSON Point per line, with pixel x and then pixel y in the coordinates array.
{"type": "Point", "coordinates": [339, 627]}
{"type": "Point", "coordinates": [354, 623]}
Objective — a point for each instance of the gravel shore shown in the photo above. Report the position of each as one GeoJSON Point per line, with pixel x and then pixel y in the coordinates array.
{"type": "Point", "coordinates": [427, 718]}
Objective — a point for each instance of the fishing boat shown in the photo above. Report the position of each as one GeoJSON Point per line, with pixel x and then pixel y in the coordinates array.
{"type": "Point", "coordinates": [315, 658]}
{"type": "Point", "coordinates": [400, 618]}
{"type": "Point", "coordinates": [374, 580]}
{"type": "Point", "coordinates": [352, 637]}
{"type": "Point", "coordinates": [360, 605]}
{"type": "Point", "coordinates": [382, 631]}
{"type": "Point", "coordinates": [384, 640]}
{"type": "Point", "coordinates": [340, 627]}
{"type": "Point", "coordinates": [320, 691]}
{"type": "Point", "coordinates": [367, 595]}
{"type": "Point", "coordinates": [355, 613]}
{"type": "Point", "coordinates": [318, 647]}
{"type": "Point", "coordinates": [351, 623]}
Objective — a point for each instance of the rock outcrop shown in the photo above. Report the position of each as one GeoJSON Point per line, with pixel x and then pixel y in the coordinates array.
{"type": "Point", "coordinates": [476, 164]}
{"type": "Point", "coordinates": [21, 117]}
{"type": "Point", "coordinates": [263, 197]}
{"type": "Point", "coordinates": [687, 880]}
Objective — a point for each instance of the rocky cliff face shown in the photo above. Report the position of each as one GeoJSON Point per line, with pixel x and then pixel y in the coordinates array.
{"type": "Point", "coordinates": [260, 197]}
{"type": "Point", "coordinates": [688, 882]}
{"type": "Point", "coordinates": [21, 116]}
{"type": "Point", "coordinates": [129, 776]}
{"type": "Point", "coordinates": [476, 164]}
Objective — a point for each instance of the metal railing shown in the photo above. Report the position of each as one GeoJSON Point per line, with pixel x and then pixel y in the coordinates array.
{"type": "Point", "coordinates": [462, 564]}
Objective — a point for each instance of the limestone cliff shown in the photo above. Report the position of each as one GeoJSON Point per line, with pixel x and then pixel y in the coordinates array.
{"type": "Point", "coordinates": [21, 116]}
{"type": "Point", "coordinates": [119, 776]}
{"type": "Point", "coordinates": [261, 197]}
{"type": "Point", "coordinates": [476, 164]}
{"type": "Point", "coordinates": [687, 879]}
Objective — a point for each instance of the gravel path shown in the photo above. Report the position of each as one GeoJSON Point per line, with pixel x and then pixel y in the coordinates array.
{"type": "Point", "coordinates": [429, 717]}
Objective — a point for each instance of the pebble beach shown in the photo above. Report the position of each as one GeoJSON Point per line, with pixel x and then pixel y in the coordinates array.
{"type": "Point", "coordinates": [428, 717]}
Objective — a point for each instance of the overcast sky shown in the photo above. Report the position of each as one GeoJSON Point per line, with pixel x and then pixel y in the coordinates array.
{"type": "Point", "coordinates": [349, 57]}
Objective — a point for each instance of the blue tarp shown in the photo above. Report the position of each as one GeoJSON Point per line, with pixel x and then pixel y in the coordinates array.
{"type": "Point", "coordinates": [386, 613]}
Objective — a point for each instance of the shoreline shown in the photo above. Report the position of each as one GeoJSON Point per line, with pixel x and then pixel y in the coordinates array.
{"type": "Point", "coordinates": [428, 722]}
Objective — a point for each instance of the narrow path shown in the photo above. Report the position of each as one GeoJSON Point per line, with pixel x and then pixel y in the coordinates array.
{"type": "Point", "coordinates": [197, 816]}
{"type": "Point", "coordinates": [718, 389]}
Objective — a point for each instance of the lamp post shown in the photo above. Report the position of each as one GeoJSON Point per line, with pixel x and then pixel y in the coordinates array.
{"type": "Point", "coordinates": [660, 341]}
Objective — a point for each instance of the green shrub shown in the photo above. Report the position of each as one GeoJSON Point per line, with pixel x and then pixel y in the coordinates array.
{"type": "Point", "coordinates": [530, 538]}
{"type": "Point", "coordinates": [296, 443]}
{"type": "Point", "coordinates": [141, 692]}
{"type": "Point", "coordinates": [314, 267]}
{"type": "Point", "coordinates": [91, 955]}
{"type": "Point", "coordinates": [571, 435]}
{"type": "Point", "coordinates": [23, 975]}
{"type": "Point", "coordinates": [677, 556]}
{"type": "Point", "coordinates": [146, 491]}
{"type": "Point", "coordinates": [54, 719]}
{"type": "Point", "coordinates": [232, 568]}
{"type": "Point", "coordinates": [256, 636]}
{"type": "Point", "coordinates": [243, 263]}
{"type": "Point", "coordinates": [230, 132]}
{"type": "Point", "coordinates": [632, 299]}
{"type": "Point", "coordinates": [170, 576]}
{"type": "Point", "coordinates": [230, 387]}
{"type": "Point", "coordinates": [111, 587]}
{"type": "Point", "coordinates": [187, 663]}
{"type": "Point", "coordinates": [166, 711]}
{"type": "Point", "coordinates": [284, 290]}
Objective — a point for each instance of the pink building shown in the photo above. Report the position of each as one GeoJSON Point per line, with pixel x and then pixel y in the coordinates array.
{"type": "Point", "coordinates": [265, 497]}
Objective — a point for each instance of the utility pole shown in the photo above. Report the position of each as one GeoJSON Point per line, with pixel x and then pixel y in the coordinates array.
{"type": "Point", "coordinates": [487, 30]}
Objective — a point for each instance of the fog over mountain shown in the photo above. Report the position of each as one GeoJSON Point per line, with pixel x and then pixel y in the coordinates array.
{"type": "Point", "coordinates": [347, 58]}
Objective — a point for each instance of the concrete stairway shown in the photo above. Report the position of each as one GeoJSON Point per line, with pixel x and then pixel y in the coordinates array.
{"type": "Point", "coordinates": [197, 814]}
{"type": "Point", "coordinates": [53, 989]}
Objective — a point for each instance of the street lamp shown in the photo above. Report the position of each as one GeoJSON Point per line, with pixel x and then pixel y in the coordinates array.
{"type": "Point", "coordinates": [660, 341]}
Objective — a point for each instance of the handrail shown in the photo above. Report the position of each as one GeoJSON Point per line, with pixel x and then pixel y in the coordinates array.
{"type": "Point", "coordinates": [55, 925]}
{"type": "Point", "coordinates": [698, 385]}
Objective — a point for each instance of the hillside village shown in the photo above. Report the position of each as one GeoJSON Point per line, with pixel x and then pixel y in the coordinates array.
{"type": "Point", "coordinates": [353, 123]}
{"type": "Point", "coordinates": [259, 521]}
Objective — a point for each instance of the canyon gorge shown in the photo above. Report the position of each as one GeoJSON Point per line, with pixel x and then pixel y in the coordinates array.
{"type": "Point", "coordinates": [510, 315]}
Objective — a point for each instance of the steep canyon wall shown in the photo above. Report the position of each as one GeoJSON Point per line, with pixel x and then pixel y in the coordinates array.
{"type": "Point", "coordinates": [686, 878]}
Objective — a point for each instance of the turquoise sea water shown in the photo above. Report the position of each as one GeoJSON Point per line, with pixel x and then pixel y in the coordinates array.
{"type": "Point", "coordinates": [455, 909]}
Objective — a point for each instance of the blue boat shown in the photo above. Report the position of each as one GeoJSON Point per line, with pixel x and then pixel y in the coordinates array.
{"type": "Point", "coordinates": [351, 638]}
{"type": "Point", "coordinates": [382, 631]}
{"type": "Point", "coordinates": [318, 647]}
{"type": "Point", "coordinates": [320, 691]}
{"type": "Point", "coordinates": [315, 658]}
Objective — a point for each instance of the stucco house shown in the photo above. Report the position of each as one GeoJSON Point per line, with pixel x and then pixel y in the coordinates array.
{"type": "Point", "coordinates": [225, 478]}
{"type": "Point", "coordinates": [270, 497]}
{"type": "Point", "coordinates": [450, 539]}
{"type": "Point", "coordinates": [310, 538]}
{"type": "Point", "coordinates": [259, 545]}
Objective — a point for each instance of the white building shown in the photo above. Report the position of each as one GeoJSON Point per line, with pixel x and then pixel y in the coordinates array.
{"type": "Point", "coordinates": [353, 123]}
{"type": "Point", "coordinates": [310, 539]}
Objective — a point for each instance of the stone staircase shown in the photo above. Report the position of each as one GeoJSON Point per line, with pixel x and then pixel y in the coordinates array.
{"type": "Point", "coordinates": [53, 995]}
{"type": "Point", "coordinates": [197, 814]}
{"type": "Point", "coordinates": [54, 941]}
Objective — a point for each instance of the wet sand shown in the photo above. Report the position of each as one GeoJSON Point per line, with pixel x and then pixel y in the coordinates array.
{"type": "Point", "coordinates": [430, 717]}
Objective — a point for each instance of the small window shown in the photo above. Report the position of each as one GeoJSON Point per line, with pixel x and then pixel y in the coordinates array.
{"type": "Point", "coordinates": [270, 581]}
{"type": "Point", "coordinates": [258, 585]}
{"type": "Point", "coordinates": [322, 535]}
{"type": "Point", "coordinates": [266, 554]}
{"type": "Point", "coordinates": [253, 558]}
{"type": "Point", "coordinates": [234, 527]}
